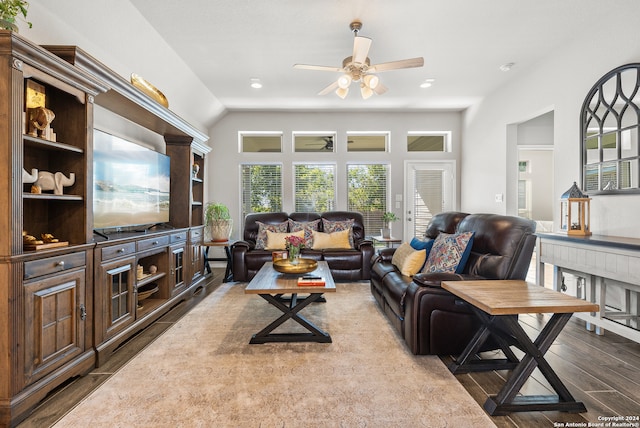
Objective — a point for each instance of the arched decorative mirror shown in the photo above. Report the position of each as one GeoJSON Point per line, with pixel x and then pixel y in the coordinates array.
{"type": "Point", "coordinates": [610, 119]}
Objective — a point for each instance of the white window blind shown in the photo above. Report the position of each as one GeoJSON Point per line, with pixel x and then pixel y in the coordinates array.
{"type": "Point", "coordinates": [314, 187]}
{"type": "Point", "coordinates": [367, 193]}
{"type": "Point", "coordinates": [261, 188]}
{"type": "Point", "coordinates": [427, 199]}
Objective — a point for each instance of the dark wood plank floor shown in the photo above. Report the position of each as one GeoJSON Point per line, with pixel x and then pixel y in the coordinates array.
{"type": "Point", "coordinates": [601, 371]}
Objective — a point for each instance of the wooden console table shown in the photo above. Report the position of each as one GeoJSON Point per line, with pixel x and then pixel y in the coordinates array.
{"type": "Point", "coordinates": [607, 269]}
{"type": "Point", "coordinates": [495, 303]}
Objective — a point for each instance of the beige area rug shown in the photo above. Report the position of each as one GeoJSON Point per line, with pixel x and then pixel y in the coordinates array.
{"type": "Point", "coordinates": [203, 372]}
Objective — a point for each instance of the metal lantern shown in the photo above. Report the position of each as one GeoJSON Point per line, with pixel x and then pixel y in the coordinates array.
{"type": "Point", "coordinates": [574, 212]}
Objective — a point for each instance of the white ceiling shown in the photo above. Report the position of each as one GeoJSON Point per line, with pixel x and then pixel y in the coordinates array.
{"type": "Point", "coordinates": [463, 42]}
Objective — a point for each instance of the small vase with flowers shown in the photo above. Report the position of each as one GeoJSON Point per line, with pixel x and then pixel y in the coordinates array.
{"type": "Point", "coordinates": [294, 244]}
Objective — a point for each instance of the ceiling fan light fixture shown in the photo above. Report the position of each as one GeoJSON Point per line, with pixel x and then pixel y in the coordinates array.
{"type": "Point", "coordinates": [371, 80]}
{"type": "Point", "coordinates": [365, 91]}
{"type": "Point", "coordinates": [344, 81]}
{"type": "Point", "coordinates": [342, 92]}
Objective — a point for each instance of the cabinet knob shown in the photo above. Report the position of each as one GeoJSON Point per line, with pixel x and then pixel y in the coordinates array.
{"type": "Point", "coordinates": [154, 243]}
{"type": "Point", "coordinates": [60, 264]}
{"type": "Point", "coordinates": [121, 250]}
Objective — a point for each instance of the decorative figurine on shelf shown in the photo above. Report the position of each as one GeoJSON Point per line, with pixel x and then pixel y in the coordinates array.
{"type": "Point", "coordinates": [39, 120]}
{"type": "Point", "coordinates": [29, 178]}
{"type": "Point", "coordinates": [30, 239]}
{"type": "Point", "coordinates": [50, 181]}
{"type": "Point", "coordinates": [153, 269]}
{"type": "Point", "coordinates": [48, 238]}
{"type": "Point", "coordinates": [195, 169]}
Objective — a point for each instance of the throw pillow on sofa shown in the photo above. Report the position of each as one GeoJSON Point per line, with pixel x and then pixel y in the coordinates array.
{"type": "Point", "coordinates": [419, 244]}
{"type": "Point", "coordinates": [408, 260]}
{"type": "Point", "coordinates": [276, 240]}
{"type": "Point", "coordinates": [330, 226]}
{"type": "Point", "coordinates": [307, 226]}
{"type": "Point", "coordinates": [449, 253]}
{"type": "Point", "coordinates": [335, 240]}
{"type": "Point", "coordinates": [261, 239]}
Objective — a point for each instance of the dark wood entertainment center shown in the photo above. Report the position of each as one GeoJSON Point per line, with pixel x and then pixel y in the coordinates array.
{"type": "Point", "coordinates": [65, 309]}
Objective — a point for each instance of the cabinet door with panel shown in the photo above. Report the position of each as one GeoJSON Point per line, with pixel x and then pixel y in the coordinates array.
{"type": "Point", "coordinates": [119, 301]}
{"type": "Point", "coordinates": [177, 268]}
{"type": "Point", "coordinates": [55, 313]}
{"type": "Point", "coordinates": [196, 254]}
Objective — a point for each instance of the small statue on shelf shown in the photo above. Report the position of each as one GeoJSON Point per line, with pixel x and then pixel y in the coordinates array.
{"type": "Point", "coordinates": [50, 181]}
{"type": "Point", "coordinates": [30, 239]}
{"type": "Point", "coordinates": [48, 238]}
{"type": "Point", "coordinates": [39, 120]}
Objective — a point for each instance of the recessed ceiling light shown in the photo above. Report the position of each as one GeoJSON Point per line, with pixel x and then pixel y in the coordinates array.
{"type": "Point", "coordinates": [427, 83]}
{"type": "Point", "coordinates": [507, 66]}
{"type": "Point", "coordinates": [255, 83]}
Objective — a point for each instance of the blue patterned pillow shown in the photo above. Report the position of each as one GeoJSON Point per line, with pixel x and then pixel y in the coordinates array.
{"type": "Point", "coordinates": [330, 226]}
{"type": "Point", "coordinates": [309, 227]}
{"type": "Point", "coordinates": [261, 239]}
{"type": "Point", "coordinates": [449, 253]}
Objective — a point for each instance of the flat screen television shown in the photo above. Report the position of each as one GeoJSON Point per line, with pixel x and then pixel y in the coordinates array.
{"type": "Point", "coordinates": [131, 183]}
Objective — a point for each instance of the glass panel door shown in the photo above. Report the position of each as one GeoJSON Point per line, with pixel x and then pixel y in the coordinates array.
{"type": "Point", "coordinates": [430, 189]}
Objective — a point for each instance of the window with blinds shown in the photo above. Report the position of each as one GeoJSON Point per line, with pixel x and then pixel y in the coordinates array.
{"type": "Point", "coordinates": [261, 188]}
{"type": "Point", "coordinates": [367, 193]}
{"type": "Point", "coordinates": [428, 198]}
{"type": "Point", "coordinates": [314, 187]}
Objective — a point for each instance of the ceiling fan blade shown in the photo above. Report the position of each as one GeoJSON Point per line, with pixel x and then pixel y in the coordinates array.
{"type": "Point", "coordinates": [395, 65]}
{"type": "Point", "coordinates": [380, 89]}
{"type": "Point", "coordinates": [330, 88]}
{"type": "Point", "coordinates": [361, 47]}
{"type": "Point", "coordinates": [317, 67]}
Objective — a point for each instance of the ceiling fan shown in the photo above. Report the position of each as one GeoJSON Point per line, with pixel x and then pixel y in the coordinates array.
{"type": "Point", "coordinates": [358, 68]}
{"type": "Point", "coordinates": [325, 144]}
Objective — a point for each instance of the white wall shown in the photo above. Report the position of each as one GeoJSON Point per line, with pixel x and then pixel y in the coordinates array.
{"type": "Point", "coordinates": [223, 162]}
{"type": "Point", "coordinates": [559, 83]}
{"type": "Point", "coordinates": [114, 32]}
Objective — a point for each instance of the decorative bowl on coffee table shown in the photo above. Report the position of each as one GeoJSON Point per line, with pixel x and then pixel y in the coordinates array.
{"type": "Point", "coordinates": [303, 266]}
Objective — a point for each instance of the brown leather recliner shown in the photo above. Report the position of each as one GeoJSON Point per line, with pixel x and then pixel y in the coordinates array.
{"type": "Point", "coordinates": [429, 318]}
{"type": "Point", "coordinates": [345, 264]}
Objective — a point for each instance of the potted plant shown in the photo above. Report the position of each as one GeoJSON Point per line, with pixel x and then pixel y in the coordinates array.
{"type": "Point", "coordinates": [387, 218]}
{"type": "Point", "coordinates": [9, 10]}
{"type": "Point", "coordinates": [218, 221]}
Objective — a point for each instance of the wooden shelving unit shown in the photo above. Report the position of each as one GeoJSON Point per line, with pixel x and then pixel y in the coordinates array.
{"type": "Point", "coordinates": [95, 278]}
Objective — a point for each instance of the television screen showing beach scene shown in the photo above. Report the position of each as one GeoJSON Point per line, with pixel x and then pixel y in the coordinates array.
{"type": "Point", "coordinates": [131, 183]}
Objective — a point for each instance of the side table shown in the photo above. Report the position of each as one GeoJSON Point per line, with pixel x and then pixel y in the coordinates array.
{"type": "Point", "coordinates": [389, 242]}
{"type": "Point", "coordinates": [228, 275]}
{"type": "Point", "coordinates": [495, 303]}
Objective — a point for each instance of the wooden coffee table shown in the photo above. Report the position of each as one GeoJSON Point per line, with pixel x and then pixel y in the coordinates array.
{"type": "Point", "coordinates": [496, 303]}
{"type": "Point", "coordinates": [272, 286]}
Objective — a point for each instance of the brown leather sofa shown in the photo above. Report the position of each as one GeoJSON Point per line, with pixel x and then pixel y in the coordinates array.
{"type": "Point", "coordinates": [430, 319]}
{"type": "Point", "coordinates": [345, 264]}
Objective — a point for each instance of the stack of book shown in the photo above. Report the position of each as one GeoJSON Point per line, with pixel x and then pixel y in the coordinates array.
{"type": "Point", "coordinates": [306, 281]}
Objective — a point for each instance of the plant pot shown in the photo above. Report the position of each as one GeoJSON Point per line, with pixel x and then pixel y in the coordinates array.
{"type": "Point", "coordinates": [220, 230]}
{"type": "Point", "coordinates": [385, 232]}
{"type": "Point", "coordinates": [6, 25]}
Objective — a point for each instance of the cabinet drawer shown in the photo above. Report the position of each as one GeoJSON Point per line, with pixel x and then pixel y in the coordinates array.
{"type": "Point", "coordinates": [196, 235]}
{"type": "Point", "coordinates": [147, 244]}
{"type": "Point", "coordinates": [114, 251]}
{"type": "Point", "coordinates": [178, 237]}
{"type": "Point", "coordinates": [50, 265]}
